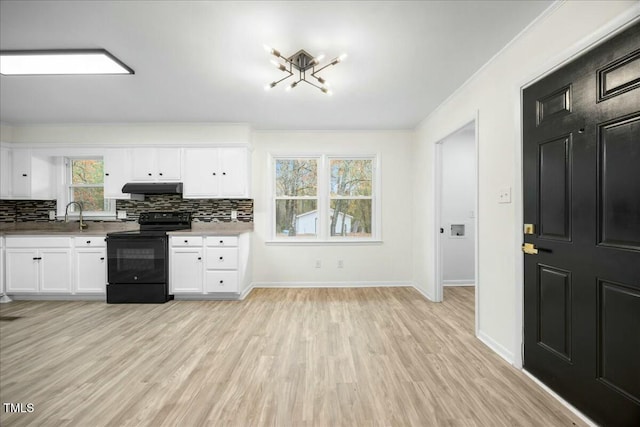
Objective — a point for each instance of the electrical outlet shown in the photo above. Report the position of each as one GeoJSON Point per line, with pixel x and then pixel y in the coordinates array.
{"type": "Point", "coordinates": [318, 263]}
{"type": "Point", "coordinates": [340, 263]}
{"type": "Point", "coordinates": [122, 215]}
{"type": "Point", "coordinates": [234, 215]}
{"type": "Point", "coordinates": [504, 195]}
{"type": "Point", "coordinates": [52, 215]}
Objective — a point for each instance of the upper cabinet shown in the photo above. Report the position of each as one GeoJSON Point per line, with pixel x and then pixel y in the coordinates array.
{"type": "Point", "coordinates": [28, 175]}
{"type": "Point", "coordinates": [156, 164]}
{"type": "Point", "coordinates": [5, 172]}
{"type": "Point", "coordinates": [216, 172]}
{"type": "Point", "coordinates": [117, 172]}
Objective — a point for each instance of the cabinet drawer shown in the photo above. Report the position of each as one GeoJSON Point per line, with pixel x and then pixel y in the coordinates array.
{"type": "Point", "coordinates": [221, 281]}
{"type": "Point", "coordinates": [38, 242]}
{"type": "Point", "coordinates": [222, 241]}
{"type": "Point", "coordinates": [222, 258]}
{"type": "Point", "coordinates": [186, 241]}
{"type": "Point", "coordinates": [90, 242]}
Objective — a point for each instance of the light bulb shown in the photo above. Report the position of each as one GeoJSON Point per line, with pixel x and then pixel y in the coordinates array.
{"type": "Point", "coordinates": [326, 90]}
{"type": "Point", "coordinates": [270, 86]}
{"type": "Point", "coordinates": [319, 57]}
{"type": "Point", "coordinates": [271, 50]}
{"type": "Point", "coordinates": [342, 57]}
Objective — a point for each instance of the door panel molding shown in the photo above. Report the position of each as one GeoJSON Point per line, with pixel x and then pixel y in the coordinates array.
{"type": "Point", "coordinates": [617, 367]}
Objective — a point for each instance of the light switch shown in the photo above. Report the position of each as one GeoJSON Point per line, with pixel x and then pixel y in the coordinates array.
{"type": "Point", "coordinates": [504, 195]}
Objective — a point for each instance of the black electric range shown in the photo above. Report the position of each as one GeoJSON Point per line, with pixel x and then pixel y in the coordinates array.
{"type": "Point", "coordinates": [138, 260]}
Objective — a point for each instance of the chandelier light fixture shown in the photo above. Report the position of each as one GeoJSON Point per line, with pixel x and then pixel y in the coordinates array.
{"type": "Point", "coordinates": [304, 64]}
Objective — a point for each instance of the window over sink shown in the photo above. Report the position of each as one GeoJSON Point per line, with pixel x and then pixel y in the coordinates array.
{"type": "Point", "coordinates": [84, 183]}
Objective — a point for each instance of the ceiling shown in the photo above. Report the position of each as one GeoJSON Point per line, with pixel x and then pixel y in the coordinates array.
{"type": "Point", "coordinates": [203, 61]}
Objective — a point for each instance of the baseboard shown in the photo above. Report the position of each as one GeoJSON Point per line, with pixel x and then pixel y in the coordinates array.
{"type": "Point", "coordinates": [52, 297]}
{"type": "Point", "coordinates": [496, 347]}
{"type": "Point", "coordinates": [423, 293]}
{"type": "Point", "coordinates": [357, 284]}
{"type": "Point", "coordinates": [246, 292]}
{"type": "Point", "coordinates": [556, 396]}
{"type": "Point", "coordinates": [458, 283]}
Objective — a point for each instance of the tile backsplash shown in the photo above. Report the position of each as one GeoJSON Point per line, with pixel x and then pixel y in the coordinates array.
{"type": "Point", "coordinates": [205, 210]}
{"type": "Point", "coordinates": [26, 210]}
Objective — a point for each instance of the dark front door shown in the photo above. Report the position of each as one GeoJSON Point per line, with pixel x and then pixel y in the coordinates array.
{"type": "Point", "coordinates": [582, 197]}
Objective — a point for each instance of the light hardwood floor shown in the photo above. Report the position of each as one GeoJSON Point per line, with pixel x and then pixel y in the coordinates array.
{"type": "Point", "coordinates": [290, 357]}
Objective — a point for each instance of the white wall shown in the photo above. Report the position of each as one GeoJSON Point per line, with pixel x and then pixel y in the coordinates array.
{"type": "Point", "coordinates": [492, 95]}
{"type": "Point", "coordinates": [383, 263]}
{"type": "Point", "coordinates": [458, 206]}
{"type": "Point", "coordinates": [135, 133]}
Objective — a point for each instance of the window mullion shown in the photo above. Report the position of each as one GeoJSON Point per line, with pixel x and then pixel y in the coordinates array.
{"type": "Point", "coordinates": [323, 197]}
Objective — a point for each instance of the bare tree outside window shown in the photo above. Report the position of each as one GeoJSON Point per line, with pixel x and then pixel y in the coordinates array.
{"type": "Point", "coordinates": [296, 201]}
{"type": "Point", "coordinates": [351, 189]}
{"type": "Point", "coordinates": [86, 185]}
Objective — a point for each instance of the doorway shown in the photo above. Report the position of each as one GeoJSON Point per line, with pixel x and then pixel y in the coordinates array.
{"type": "Point", "coordinates": [456, 212]}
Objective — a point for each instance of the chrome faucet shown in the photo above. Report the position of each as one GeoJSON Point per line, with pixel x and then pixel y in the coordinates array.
{"type": "Point", "coordinates": [66, 214]}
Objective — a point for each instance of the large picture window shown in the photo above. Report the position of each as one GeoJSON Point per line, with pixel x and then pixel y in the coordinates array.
{"type": "Point", "coordinates": [324, 198]}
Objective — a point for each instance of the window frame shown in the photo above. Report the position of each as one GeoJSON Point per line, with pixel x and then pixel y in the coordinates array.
{"type": "Point", "coordinates": [65, 196]}
{"type": "Point", "coordinates": [324, 199]}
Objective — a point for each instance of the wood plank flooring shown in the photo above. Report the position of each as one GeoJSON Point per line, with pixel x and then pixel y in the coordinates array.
{"type": "Point", "coordinates": [287, 357]}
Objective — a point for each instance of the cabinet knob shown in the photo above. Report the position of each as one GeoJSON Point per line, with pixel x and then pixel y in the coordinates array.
{"type": "Point", "coordinates": [221, 281]}
{"type": "Point", "coordinates": [88, 242]}
{"type": "Point", "coordinates": [106, 174]}
{"type": "Point", "coordinates": [199, 258]}
{"type": "Point", "coordinates": [149, 174]}
{"type": "Point", "coordinates": [101, 258]}
{"type": "Point", "coordinates": [186, 241]}
{"type": "Point", "coordinates": [221, 258]}
{"type": "Point", "coordinates": [224, 173]}
{"type": "Point", "coordinates": [214, 174]}
{"type": "Point", "coordinates": [160, 174]}
{"type": "Point", "coordinates": [221, 241]}
{"type": "Point", "coordinates": [24, 174]}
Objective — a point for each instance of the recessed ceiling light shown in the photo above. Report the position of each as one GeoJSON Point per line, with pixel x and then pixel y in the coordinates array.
{"type": "Point", "coordinates": [60, 62]}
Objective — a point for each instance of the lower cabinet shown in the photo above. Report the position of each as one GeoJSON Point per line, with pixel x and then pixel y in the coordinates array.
{"type": "Point", "coordinates": [185, 270]}
{"type": "Point", "coordinates": [42, 270]}
{"type": "Point", "coordinates": [55, 265]}
{"type": "Point", "coordinates": [91, 270]}
{"type": "Point", "coordinates": [207, 265]}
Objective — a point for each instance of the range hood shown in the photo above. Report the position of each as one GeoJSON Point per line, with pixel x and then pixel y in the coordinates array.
{"type": "Point", "coordinates": [153, 188]}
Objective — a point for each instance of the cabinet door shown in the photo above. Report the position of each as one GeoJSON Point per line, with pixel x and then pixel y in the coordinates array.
{"type": "Point", "coordinates": [233, 165]}
{"type": "Point", "coordinates": [186, 270]}
{"type": "Point", "coordinates": [55, 270]}
{"type": "Point", "coordinates": [221, 281]}
{"type": "Point", "coordinates": [91, 270]}
{"type": "Point", "coordinates": [21, 173]}
{"type": "Point", "coordinates": [201, 173]}
{"type": "Point", "coordinates": [169, 164]}
{"type": "Point", "coordinates": [117, 172]}
{"type": "Point", "coordinates": [22, 270]}
{"type": "Point", "coordinates": [144, 164]}
{"type": "Point", "coordinates": [5, 173]}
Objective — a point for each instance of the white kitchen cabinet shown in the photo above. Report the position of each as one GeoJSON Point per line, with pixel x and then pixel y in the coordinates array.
{"type": "Point", "coordinates": [157, 164]}
{"type": "Point", "coordinates": [2, 288]}
{"type": "Point", "coordinates": [222, 274]}
{"type": "Point", "coordinates": [22, 271]}
{"type": "Point", "coordinates": [90, 265]}
{"type": "Point", "coordinates": [31, 175]}
{"type": "Point", "coordinates": [186, 269]}
{"type": "Point", "coordinates": [117, 172]}
{"type": "Point", "coordinates": [55, 270]}
{"type": "Point", "coordinates": [38, 265]}
{"type": "Point", "coordinates": [5, 172]}
{"type": "Point", "coordinates": [216, 172]}
{"type": "Point", "coordinates": [90, 275]}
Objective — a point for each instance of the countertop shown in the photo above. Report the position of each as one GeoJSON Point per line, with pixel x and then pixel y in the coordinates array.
{"type": "Point", "coordinates": [102, 228]}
